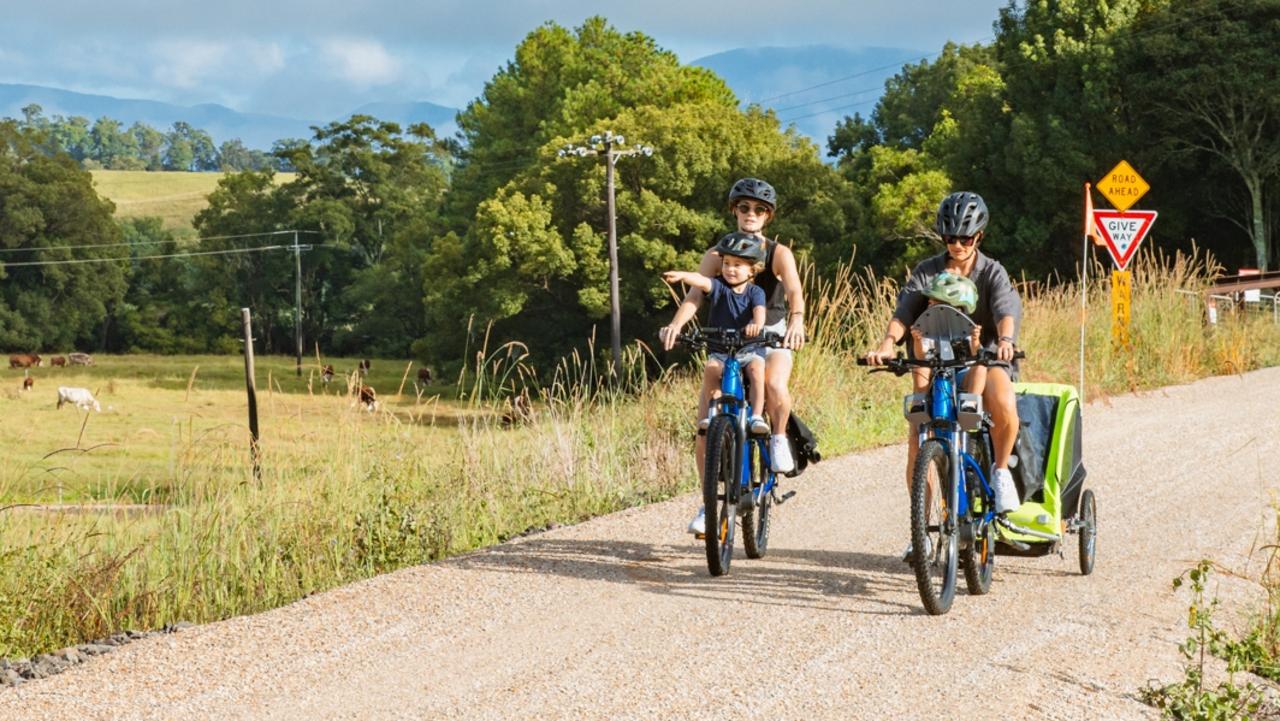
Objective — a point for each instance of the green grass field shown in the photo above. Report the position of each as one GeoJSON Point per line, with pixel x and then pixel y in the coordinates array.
{"type": "Point", "coordinates": [173, 196]}
{"type": "Point", "coordinates": [155, 408]}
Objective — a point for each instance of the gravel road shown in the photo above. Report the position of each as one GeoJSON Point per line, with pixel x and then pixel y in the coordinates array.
{"type": "Point", "coordinates": [617, 618]}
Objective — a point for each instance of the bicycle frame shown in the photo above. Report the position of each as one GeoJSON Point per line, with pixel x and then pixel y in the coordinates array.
{"type": "Point", "coordinates": [732, 402]}
{"type": "Point", "coordinates": [944, 426]}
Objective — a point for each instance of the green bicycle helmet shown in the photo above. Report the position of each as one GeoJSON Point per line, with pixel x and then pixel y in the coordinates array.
{"type": "Point", "coordinates": [954, 290]}
{"type": "Point", "coordinates": [743, 245]}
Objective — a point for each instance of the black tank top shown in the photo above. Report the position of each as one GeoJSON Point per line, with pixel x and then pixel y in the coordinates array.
{"type": "Point", "coordinates": [775, 309]}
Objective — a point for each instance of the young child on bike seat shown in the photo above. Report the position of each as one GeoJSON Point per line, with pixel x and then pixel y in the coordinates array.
{"type": "Point", "coordinates": [738, 303]}
{"type": "Point", "coordinates": [959, 292]}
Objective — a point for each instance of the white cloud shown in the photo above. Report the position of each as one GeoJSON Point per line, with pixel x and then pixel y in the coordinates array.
{"type": "Point", "coordinates": [185, 63]}
{"type": "Point", "coordinates": [361, 62]}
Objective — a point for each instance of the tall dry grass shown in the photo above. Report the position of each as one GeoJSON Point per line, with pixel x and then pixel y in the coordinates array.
{"type": "Point", "coordinates": [378, 495]}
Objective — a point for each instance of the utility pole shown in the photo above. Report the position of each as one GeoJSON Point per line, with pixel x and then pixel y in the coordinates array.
{"type": "Point", "coordinates": [609, 146]}
{"type": "Point", "coordinates": [297, 294]}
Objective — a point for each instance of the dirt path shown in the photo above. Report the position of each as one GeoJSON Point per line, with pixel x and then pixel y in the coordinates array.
{"type": "Point", "coordinates": [616, 618]}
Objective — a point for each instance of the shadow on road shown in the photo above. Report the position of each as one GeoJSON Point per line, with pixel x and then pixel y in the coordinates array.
{"type": "Point", "coordinates": [831, 580]}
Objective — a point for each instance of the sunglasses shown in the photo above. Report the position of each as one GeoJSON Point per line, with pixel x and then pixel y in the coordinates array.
{"type": "Point", "coordinates": [747, 208]}
{"type": "Point", "coordinates": [965, 241]}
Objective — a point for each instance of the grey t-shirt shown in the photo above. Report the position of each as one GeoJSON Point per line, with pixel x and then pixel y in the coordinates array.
{"type": "Point", "coordinates": [997, 297]}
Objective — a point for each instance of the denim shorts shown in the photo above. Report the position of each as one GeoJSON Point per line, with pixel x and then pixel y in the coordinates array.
{"type": "Point", "coordinates": [744, 356]}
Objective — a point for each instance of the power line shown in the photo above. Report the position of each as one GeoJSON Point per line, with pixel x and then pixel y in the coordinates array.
{"type": "Point", "coordinates": [78, 261]}
{"type": "Point", "coordinates": [148, 242]}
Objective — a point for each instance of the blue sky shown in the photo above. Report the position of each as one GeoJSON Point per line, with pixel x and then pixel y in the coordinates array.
{"type": "Point", "coordinates": [322, 58]}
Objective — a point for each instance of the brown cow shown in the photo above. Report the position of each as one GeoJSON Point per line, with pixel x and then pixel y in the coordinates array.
{"type": "Point", "coordinates": [369, 397]}
{"type": "Point", "coordinates": [326, 373]}
{"type": "Point", "coordinates": [424, 377]}
{"type": "Point", "coordinates": [58, 361]}
{"type": "Point", "coordinates": [27, 383]}
{"type": "Point", "coordinates": [24, 360]}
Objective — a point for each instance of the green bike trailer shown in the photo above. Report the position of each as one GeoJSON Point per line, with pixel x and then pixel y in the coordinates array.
{"type": "Point", "coordinates": [1049, 470]}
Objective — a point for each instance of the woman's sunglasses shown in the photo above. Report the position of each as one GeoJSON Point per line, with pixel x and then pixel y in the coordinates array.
{"type": "Point", "coordinates": [746, 208]}
{"type": "Point", "coordinates": [965, 241]}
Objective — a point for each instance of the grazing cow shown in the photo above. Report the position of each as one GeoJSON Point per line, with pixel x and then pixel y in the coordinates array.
{"type": "Point", "coordinates": [369, 397]}
{"type": "Point", "coordinates": [58, 361]}
{"type": "Point", "coordinates": [326, 374]}
{"type": "Point", "coordinates": [364, 367]}
{"type": "Point", "coordinates": [424, 377]}
{"type": "Point", "coordinates": [521, 410]}
{"type": "Point", "coordinates": [80, 359]}
{"type": "Point", "coordinates": [27, 383]}
{"type": "Point", "coordinates": [24, 360]}
{"type": "Point", "coordinates": [81, 397]}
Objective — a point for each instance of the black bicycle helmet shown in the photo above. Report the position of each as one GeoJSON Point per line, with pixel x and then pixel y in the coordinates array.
{"type": "Point", "coordinates": [743, 245]}
{"type": "Point", "coordinates": [755, 190]}
{"type": "Point", "coordinates": [962, 214]}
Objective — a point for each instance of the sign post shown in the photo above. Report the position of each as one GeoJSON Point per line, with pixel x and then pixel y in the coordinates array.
{"type": "Point", "coordinates": [1121, 294]}
{"type": "Point", "coordinates": [1122, 230]}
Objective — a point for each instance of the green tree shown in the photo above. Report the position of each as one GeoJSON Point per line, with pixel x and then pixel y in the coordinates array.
{"type": "Point", "coordinates": [1203, 80]}
{"type": "Point", "coordinates": [50, 210]}
{"type": "Point", "coordinates": [532, 261]}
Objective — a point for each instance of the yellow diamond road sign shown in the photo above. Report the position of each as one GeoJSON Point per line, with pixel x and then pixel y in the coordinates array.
{"type": "Point", "coordinates": [1123, 186]}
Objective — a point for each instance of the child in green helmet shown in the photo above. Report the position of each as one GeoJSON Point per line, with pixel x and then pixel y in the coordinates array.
{"type": "Point", "coordinates": [960, 292]}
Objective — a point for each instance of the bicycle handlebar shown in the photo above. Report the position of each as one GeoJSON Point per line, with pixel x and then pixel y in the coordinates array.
{"type": "Point", "coordinates": [727, 340]}
{"type": "Point", "coordinates": [902, 365]}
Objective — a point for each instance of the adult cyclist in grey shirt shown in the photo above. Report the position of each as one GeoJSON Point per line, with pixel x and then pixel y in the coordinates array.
{"type": "Point", "coordinates": [962, 218]}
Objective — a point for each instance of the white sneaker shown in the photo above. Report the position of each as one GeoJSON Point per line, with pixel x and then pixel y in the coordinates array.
{"type": "Point", "coordinates": [780, 452]}
{"type": "Point", "coordinates": [1005, 490]}
{"type": "Point", "coordinates": [758, 427]}
{"type": "Point", "coordinates": [698, 526]}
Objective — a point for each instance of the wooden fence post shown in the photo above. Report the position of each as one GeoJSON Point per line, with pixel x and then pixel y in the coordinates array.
{"type": "Point", "coordinates": [254, 451]}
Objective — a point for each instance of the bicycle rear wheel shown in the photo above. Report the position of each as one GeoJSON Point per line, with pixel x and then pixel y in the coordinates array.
{"type": "Point", "coordinates": [720, 493]}
{"type": "Point", "coordinates": [978, 559]}
{"type": "Point", "coordinates": [755, 522]}
{"type": "Point", "coordinates": [934, 554]}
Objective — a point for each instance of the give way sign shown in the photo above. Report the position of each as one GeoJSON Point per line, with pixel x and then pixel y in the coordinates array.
{"type": "Point", "coordinates": [1123, 231]}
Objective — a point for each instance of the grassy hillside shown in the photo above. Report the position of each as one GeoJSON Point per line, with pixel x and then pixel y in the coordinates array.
{"type": "Point", "coordinates": [173, 196]}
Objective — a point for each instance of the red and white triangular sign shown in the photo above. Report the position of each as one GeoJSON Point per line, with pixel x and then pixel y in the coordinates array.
{"type": "Point", "coordinates": [1123, 232]}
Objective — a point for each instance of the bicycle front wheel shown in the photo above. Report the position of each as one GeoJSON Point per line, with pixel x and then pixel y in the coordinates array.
{"type": "Point", "coordinates": [933, 530]}
{"type": "Point", "coordinates": [755, 522]}
{"type": "Point", "coordinates": [720, 493]}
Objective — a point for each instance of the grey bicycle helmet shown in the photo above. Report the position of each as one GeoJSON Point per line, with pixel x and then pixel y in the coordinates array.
{"type": "Point", "coordinates": [742, 245]}
{"type": "Point", "coordinates": [962, 214]}
{"type": "Point", "coordinates": [755, 190]}
{"type": "Point", "coordinates": [954, 290]}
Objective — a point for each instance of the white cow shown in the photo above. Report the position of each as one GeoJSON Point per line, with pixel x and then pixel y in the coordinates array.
{"type": "Point", "coordinates": [81, 397]}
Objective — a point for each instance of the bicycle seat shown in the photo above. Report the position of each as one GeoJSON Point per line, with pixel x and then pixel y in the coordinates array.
{"type": "Point", "coordinates": [942, 322]}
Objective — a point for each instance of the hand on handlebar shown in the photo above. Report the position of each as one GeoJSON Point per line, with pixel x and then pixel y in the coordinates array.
{"type": "Point", "coordinates": [1005, 350]}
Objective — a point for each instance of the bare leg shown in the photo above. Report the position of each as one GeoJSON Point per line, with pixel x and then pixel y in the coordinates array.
{"type": "Point", "coordinates": [1000, 401]}
{"type": "Point", "coordinates": [777, 373]}
{"type": "Point", "coordinates": [755, 374]}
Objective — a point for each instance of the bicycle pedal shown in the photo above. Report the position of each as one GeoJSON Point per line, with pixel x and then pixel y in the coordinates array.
{"type": "Point", "coordinates": [700, 536]}
{"type": "Point", "coordinates": [784, 498]}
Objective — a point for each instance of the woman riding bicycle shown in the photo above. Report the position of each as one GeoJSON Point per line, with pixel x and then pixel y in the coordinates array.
{"type": "Point", "coordinates": [961, 220]}
{"type": "Point", "coordinates": [753, 203]}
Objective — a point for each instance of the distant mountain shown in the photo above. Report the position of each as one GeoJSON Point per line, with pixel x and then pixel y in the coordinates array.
{"type": "Point", "coordinates": [222, 123]}
{"type": "Point", "coordinates": [439, 117]}
{"type": "Point", "coordinates": [813, 86]}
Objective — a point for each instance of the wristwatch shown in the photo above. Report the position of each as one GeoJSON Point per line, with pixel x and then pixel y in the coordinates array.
{"type": "Point", "coordinates": [1008, 338]}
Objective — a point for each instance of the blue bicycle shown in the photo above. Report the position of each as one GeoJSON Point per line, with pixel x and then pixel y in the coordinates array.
{"type": "Point", "coordinates": [953, 521]}
{"type": "Point", "coordinates": [738, 482]}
